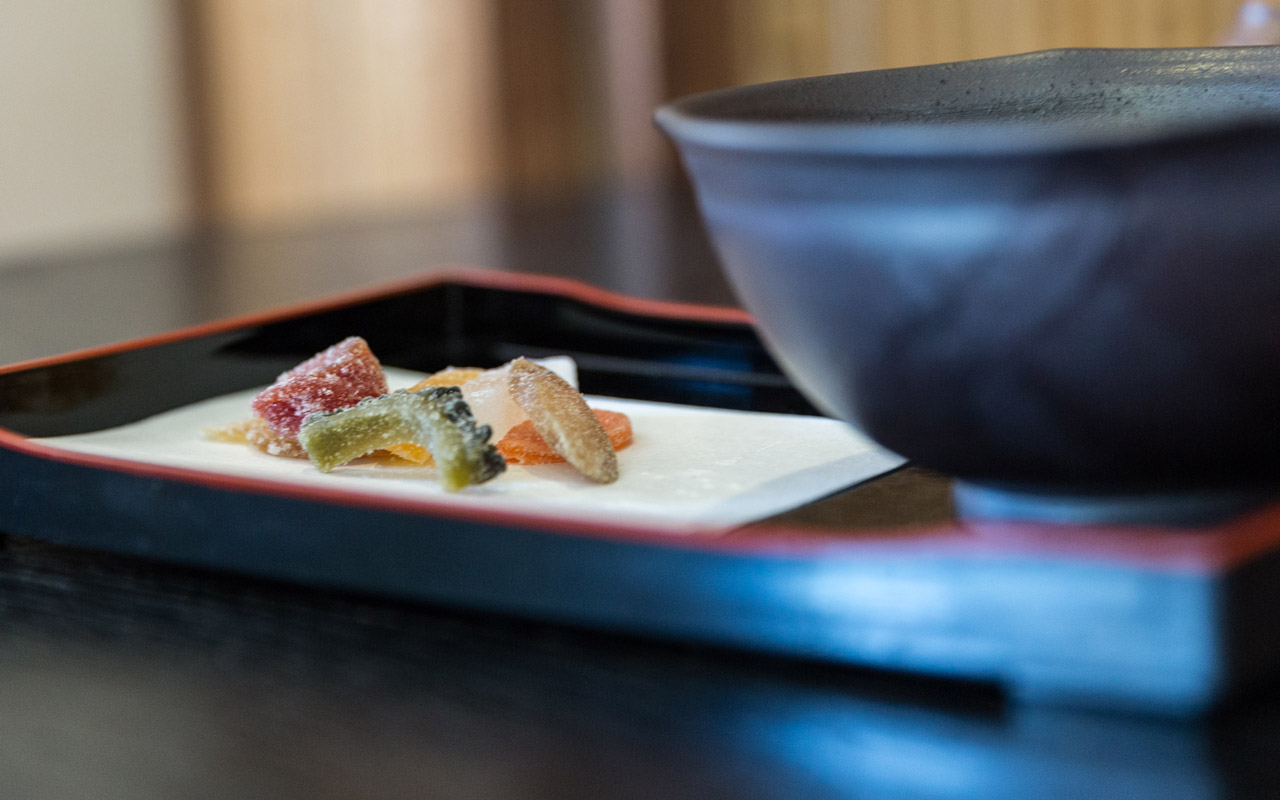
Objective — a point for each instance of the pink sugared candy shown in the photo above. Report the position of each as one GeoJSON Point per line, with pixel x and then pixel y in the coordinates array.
{"type": "Point", "coordinates": [336, 378]}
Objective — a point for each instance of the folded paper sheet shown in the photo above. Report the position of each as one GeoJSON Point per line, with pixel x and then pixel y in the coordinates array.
{"type": "Point", "coordinates": [688, 469]}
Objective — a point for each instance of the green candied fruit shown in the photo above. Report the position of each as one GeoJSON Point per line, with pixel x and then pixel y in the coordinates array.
{"type": "Point", "coordinates": [436, 418]}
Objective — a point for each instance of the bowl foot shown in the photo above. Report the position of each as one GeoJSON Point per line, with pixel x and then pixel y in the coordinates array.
{"type": "Point", "coordinates": [976, 501]}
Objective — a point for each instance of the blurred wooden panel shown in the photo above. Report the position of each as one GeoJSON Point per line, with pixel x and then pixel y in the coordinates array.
{"type": "Point", "coordinates": [550, 90]}
{"type": "Point", "coordinates": [854, 35]}
{"type": "Point", "coordinates": [711, 44]}
{"type": "Point", "coordinates": [698, 49]}
{"type": "Point", "coordinates": [930, 31]}
{"type": "Point", "coordinates": [903, 40]}
{"type": "Point", "coordinates": [578, 82]}
{"type": "Point", "coordinates": [326, 107]}
{"type": "Point", "coordinates": [778, 39]}
{"type": "Point", "coordinates": [314, 108]}
{"type": "Point", "coordinates": [631, 43]}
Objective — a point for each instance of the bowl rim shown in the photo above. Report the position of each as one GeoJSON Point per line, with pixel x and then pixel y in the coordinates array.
{"type": "Point", "coordinates": [707, 119]}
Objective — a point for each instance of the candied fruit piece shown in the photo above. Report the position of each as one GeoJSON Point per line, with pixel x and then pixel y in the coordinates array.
{"type": "Point", "coordinates": [562, 418]}
{"type": "Point", "coordinates": [331, 356]}
{"type": "Point", "coordinates": [524, 445]}
{"type": "Point", "coordinates": [488, 392]}
{"type": "Point", "coordinates": [413, 453]}
{"type": "Point", "coordinates": [338, 377]}
{"type": "Point", "coordinates": [256, 432]}
{"type": "Point", "coordinates": [489, 396]}
{"type": "Point", "coordinates": [436, 417]}
{"type": "Point", "coordinates": [449, 376]}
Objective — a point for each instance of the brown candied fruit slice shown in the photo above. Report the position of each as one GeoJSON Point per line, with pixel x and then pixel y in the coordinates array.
{"type": "Point", "coordinates": [561, 417]}
{"type": "Point", "coordinates": [524, 445]}
{"type": "Point", "coordinates": [338, 377]}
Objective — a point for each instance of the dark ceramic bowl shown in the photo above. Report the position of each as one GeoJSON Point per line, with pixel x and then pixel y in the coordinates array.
{"type": "Point", "coordinates": [1055, 273]}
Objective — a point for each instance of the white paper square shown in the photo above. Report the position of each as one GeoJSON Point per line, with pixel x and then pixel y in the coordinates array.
{"type": "Point", "coordinates": [688, 469]}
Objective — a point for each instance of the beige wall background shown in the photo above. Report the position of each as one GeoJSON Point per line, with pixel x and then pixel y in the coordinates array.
{"type": "Point", "coordinates": [91, 139]}
{"type": "Point", "coordinates": [128, 119]}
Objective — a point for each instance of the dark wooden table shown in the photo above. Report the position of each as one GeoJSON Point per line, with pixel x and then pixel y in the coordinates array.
{"type": "Point", "coordinates": [128, 679]}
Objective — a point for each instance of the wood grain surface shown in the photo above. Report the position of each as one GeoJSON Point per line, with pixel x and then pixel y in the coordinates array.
{"type": "Point", "coordinates": [316, 109]}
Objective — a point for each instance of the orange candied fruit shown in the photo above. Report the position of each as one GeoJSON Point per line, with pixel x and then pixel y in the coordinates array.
{"type": "Point", "coordinates": [524, 445]}
{"type": "Point", "coordinates": [450, 376]}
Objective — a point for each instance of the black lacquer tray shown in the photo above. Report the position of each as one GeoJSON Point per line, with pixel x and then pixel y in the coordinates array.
{"type": "Point", "coordinates": [1165, 620]}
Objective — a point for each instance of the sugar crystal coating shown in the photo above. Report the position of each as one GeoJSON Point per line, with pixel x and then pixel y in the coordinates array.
{"type": "Point", "coordinates": [524, 445]}
{"type": "Point", "coordinates": [449, 376]}
{"type": "Point", "coordinates": [436, 418]}
{"type": "Point", "coordinates": [564, 421]}
{"type": "Point", "coordinates": [338, 377]}
{"type": "Point", "coordinates": [489, 396]}
{"type": "Point", "coordinates": [255, 431]}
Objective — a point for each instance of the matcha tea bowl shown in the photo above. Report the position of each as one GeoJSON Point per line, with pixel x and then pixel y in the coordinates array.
{"type": "Point", "coordinates": [1054, 276]}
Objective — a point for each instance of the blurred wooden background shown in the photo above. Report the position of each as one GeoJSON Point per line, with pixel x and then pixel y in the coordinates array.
{"type": "Point", "coordinates": [348, 106]}
{"type": "Point", "coordinates": [285, 112]}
